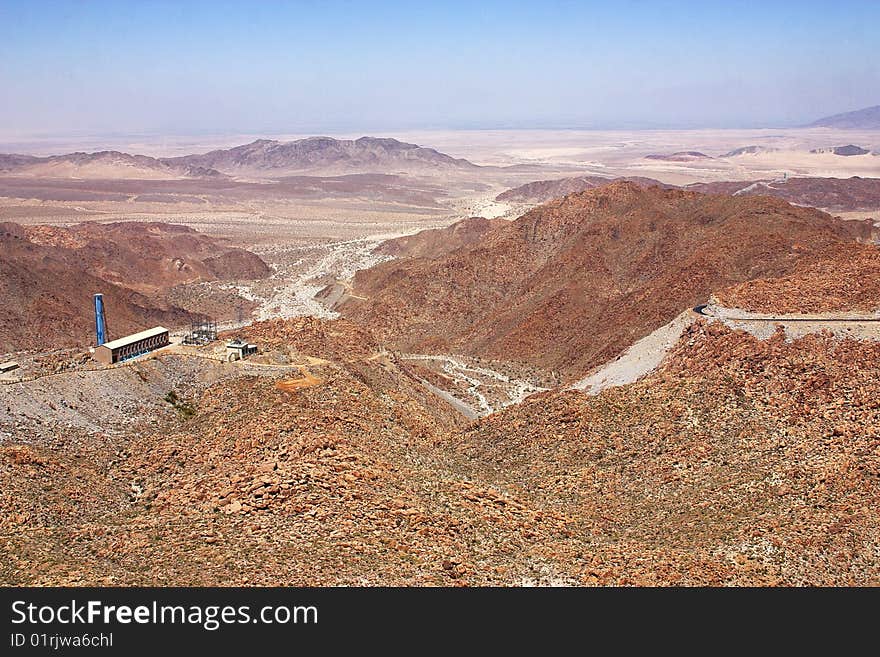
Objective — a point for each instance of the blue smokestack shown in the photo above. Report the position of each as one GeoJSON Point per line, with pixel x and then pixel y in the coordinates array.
{"type": "Point", "coordinates": [100, 325]}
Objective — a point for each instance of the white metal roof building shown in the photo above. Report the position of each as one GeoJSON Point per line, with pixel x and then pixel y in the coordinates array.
{"type": "Point", "coordinates": [132, 345]}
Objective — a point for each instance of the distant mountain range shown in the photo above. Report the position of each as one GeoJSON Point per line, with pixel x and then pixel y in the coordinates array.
{"type": "Point", "coordinates": [260, 158]}
{"type": "Point", "coordinates": [100, 165]}
{"type": "Point", "coordinates": [863, 119]}
{"type": "Point", "coordinates": [324, 154]}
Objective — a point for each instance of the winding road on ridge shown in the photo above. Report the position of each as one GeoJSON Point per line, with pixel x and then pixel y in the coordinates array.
{"type": "Point", "coordinates": [645, 355]}
{"type": "Point", "coordinates": [701, 310]}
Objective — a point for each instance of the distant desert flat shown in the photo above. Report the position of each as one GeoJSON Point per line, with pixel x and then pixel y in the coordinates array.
{"type": "Point", "coordinates": [272, 206]}
{"type": "Point", "coordinates": [495, 147]}
{"type": "Point", "coordinates": [621, 153]}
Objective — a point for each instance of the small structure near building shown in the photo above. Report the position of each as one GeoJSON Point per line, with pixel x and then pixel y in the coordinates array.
{"type": "Point", "coordinates": [202, 330]}
{"type": "Point", "coordinates": [8, 366]}
{"type": "Point", "coordinates": [239, 350]}
{"type": "Point", "coordinates": [132, 346]}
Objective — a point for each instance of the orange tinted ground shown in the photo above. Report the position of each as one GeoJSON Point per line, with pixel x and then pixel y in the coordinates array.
{"type": "Point", "coordinates": [307, 380]}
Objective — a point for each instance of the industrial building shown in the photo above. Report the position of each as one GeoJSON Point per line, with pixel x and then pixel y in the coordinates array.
{"type": "Point", "coordinates": [239, 350]}
{"type": "Point", "coordinates": [8, 366]}
{"type": "Point", "coordinates": [132, 345]}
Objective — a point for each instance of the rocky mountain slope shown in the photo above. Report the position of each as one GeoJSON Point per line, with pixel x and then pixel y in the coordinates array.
{"type": "Point", "coordinates": [325, 478]}
{"type": "Point", "coordinates": [428, 243]}
{"type": "Point", "coordinates": [863, 119]}
{"type": "Point", "coordinates": [48, 275]}
{"type": "Point", "coordinates": [842, 280]}
{"type": "Point", "coordinates": [831, 194]}
{"type": "Point", "coordinates": [739, 462]}
{"type": "Point", "coordinates": [542, 191]}
{"type": "Point", "coordinates": [570, 284]}
{"type": "Point", "coordinates": [325, 155]}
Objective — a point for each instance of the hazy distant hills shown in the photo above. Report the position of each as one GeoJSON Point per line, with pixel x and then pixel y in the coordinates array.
{"type": "Point", "coordinates": [324, 154]}
{"type": "Point", "coordinates": [100, 165]}
{"type": "Point", "coordinates": [9, 162]}
{"type": "Point", "coordinates": [847, 151]}
{"type": "Point", "coordinates": [748, 150]}
{"type": "Point", "coordinates": [863, 119]}
{"type": "Point", "coordinates": [263, 157]}
{"type": "Point", "coordinates": [680, 156]}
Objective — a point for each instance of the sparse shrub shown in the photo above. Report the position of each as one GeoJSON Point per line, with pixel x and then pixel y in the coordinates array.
{"type": "Point", "coordinates": [185, 409]}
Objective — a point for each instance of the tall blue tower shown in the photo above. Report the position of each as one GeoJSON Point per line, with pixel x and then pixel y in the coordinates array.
{"type": "Point", "coordinates": [100, 324]}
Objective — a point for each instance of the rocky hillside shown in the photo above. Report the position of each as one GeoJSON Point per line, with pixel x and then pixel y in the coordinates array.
{"type": "Point", "coordinates": [48, 275]}
{"type": "Point", "coordinates": [325, 155]}
{"type": "Point", "coordinates": [830, 194]}
{"type": "Point", "coordinates": [740, 462]}
{"type": "Point", "coordinates": [542, 191]}
{"type": "Point", "coordinates": [572, 283]}
{"type": "Point", "coordinates": [316, 465]}
{"type": "Point", "coordinates": [431, 243]}
{"type": "Point", "coordinates": [845, 279]}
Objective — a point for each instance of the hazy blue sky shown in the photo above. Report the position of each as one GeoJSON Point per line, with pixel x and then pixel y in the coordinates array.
{"type": "Point", "coordinates": [189, 67]}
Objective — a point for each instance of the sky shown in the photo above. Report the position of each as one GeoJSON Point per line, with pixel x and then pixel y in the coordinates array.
{"type": "Point", "coordinates": [297, 67]}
